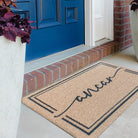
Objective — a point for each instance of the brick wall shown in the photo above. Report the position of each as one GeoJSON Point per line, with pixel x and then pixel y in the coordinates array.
{"type": "Point", "coordinates": [122, 31]}
{"type": "Point", "coordinates": [49, 74]}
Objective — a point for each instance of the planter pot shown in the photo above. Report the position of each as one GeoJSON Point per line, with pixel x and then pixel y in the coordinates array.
{"type": "Point", "coordinates": [12, 59]}
{"type": "Point", "coordinates": [134, 30]}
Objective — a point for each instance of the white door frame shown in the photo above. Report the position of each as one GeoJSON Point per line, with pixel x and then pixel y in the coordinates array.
{"type": "Point", "coordinates": [90, 21]}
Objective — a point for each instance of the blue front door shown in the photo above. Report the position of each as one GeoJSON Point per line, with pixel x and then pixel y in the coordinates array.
{"type": "Point", "coordinates": [59, 23]}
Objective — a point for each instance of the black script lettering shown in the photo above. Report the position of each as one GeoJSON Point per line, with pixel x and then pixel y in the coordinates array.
{"type": "Point", "coordinates": [89, 92]}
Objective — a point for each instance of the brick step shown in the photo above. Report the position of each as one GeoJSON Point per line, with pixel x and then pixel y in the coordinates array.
{"type": "Point", "coordinates": [45, 76]}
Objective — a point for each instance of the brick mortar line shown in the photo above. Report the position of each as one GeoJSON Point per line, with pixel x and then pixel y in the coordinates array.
{"type": "Point", "coordinates": [83, 58]}
{"type": "Point", "coordinates": [34, 78]}
{"type": "Point", "coordinates": [71, 64]}
{"type": "Point", "coordinates": [102, 51]}
{"type": "Point", "coordinates": [128, 23]}
{"type": "Point", "coordinates": [59, 76]}
{"type": "Point", "coordinates": [65, 66]}
{"type": "Point", "coordinates": [121, 6]}
{"type": "Point", "coordinates": [44, 76]}
{"type": "Point", "coordinates": [116, 11]}
{"type": "Point", "coordinates": [123, 35]}
{"type": "Point", "coordinates": [88, 58]}
{"type": "Point", "coordinates": [122, 13]}
{"type": "Point", "coordinates": [121, 18]}
{"type": "Point", "coordinates": [125, 47]}
{"type": "Point", "coordinates": [120, 31]}
{"type": "Point", "coordinates": [77, 62]}
{"type": "Point", "coordinates": [98, 52]}
{"type": "Point", "coordinates": [126, 40]}
{"type": "Point", "coordinates": [51, 72]}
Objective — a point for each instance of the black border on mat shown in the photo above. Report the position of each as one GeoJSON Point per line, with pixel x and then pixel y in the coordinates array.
{"type": "Point", "coordinates": [72, 121]}
{"type": "Point", "coordinates": [103, 118]}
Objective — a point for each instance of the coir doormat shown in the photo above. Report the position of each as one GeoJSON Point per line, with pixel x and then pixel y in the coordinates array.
{"type": "Point", "coordinates": [86, 103]}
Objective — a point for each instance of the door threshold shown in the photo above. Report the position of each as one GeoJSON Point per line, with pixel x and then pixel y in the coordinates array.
{"type": "Point", "coordinates": [102, 41]}
{"type": "Point", "coordinates": [48, 60]}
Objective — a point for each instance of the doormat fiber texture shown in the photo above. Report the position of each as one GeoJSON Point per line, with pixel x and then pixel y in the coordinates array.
{"type": "Point", "coordinates": [87, 102]}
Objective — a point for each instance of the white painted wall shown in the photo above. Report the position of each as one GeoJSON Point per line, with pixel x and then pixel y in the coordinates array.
{"type": "Point", "coordinates": [12, 58]}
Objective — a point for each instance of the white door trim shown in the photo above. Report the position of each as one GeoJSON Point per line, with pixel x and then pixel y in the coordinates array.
{"type": "Point", "coordinates": [109, 18]}
{"type": "Point", "coordinates": [90, 21]}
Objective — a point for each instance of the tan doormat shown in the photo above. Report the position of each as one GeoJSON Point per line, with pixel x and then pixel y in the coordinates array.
{"type": "Point", "coordinates": [87, 102]}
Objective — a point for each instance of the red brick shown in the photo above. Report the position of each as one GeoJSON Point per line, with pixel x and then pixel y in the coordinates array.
{"type": "Point", "coordinates": [40, 79]}
{"type": "Point", "coordinates": [110, 49]}
{"type": "Point", "coordinates": [121, 15]}
{"type": "Point", "coordinates": [120, 39]}
{"type": "Point", "coordinates": [128, 42]}
{"type": "Point", "coordinates": [127, 37]}
{"type": "Point", "coordinates": [74, 63]}
{"type": "Point", "coordinates": [118, 21]}
{"type": "Point", "coordinates": [62, 69]}
{"type": "Point", "coordinates": [55, 72]}
{"type": "Point", "coordinates": [91, 55]}
{"type": "Point", "coordinates": [85, 59]}
{"type": "Point", "coordinates": [120, 33]}
{"type": "Point", "coordinates": [95, 55]}
{"type": "Point", "coordinates": [30, 82]}
{"type": "Point", "coordinates": [126, 20]}
{"type": "Point", "coordinates": [104, 50]}
{"type": "Point", "coordinates": [126, 8]}
{"type": "Point", "coordinates": [80, 59]}
{"type": "Point", "coordinates": [99, 52]}
{"type": "Point", "coordinates": [122, 45]}
{"type": "Point", "coordinates": [116, 47]}
{"type": "Point", "coordinates": [128, 31]}
{"type": "Point", "coordinates": [119, 3]}
{"type": "Point", "coordinates": [69, 66]}
{"type": "Point", "coordinates": [118, 27]}
{"type": "Point", "coordinates": [117, 9]}
{"type": "Point", "coordinates": [48, 75]}
{"type": "Point", "coordinates": [121, 27]}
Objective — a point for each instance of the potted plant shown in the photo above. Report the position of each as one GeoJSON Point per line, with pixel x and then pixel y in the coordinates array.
{"type": "Point", "coordinates": [14, 33]}
{"type": "Point", "coordinates": [134, 23]}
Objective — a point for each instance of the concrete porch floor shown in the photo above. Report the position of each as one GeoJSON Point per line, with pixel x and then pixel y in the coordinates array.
{"type": "Point", "coordinates": [32, 125]}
